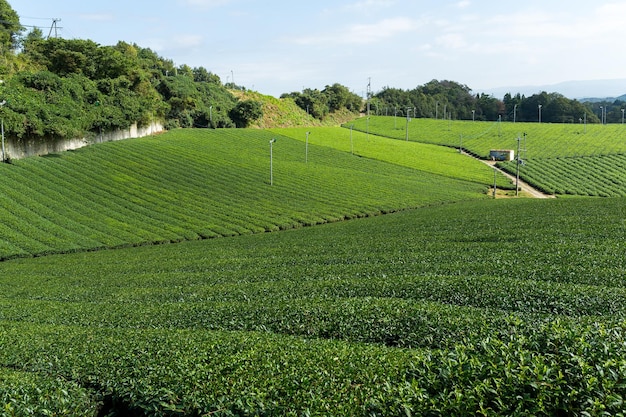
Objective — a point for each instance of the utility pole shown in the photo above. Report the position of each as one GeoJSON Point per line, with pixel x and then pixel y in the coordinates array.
{"type": "Point", "coordinates": [520, 161]}
{"type": "Point", "coordinates": [306, 152]}
{"type": "Point", "coordinates": [408, 110]}
{"type": "Point", "coordinates": [351, 143]}
{"type": "Point", "coordinates": [272, 161]}
{"type": "Point", "coordinates": [55, 27]}
{"type": "Point", "coordinates": [517, 167]}
{"type": "Point", "coordinates": [369, 94]}
{"type": "Point", "coordinates": [3, 151]}
{"type": "Point", "coordinates": [2, 103]}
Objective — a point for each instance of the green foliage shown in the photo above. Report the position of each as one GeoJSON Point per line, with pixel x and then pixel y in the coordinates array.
{"type": "Point", "coordinates": [27, 393]}
{"type": "Point", "coordinates": [485, 307]}
{"type": "Point", "coordinates": [423, 157]}
{"type": "Point", "coordinates": [44, 104]}
{"type": "Point", "coordinates": [10, 28]}
{"type": "Point", "coordinates": [557, 158]}
{"type": "Point", "coordinates": [246, 112]}
{"type": "Point", "coordinates": [330, 100]}
{"type": "Point", "coordinates": [340, 97]}
{"type": "Point", "coordinates": [435, 99]}
{"type": "Point", "coordinates": [189, 184]}
{"type": "Point", "coordinates": [122, 85]}
{"type": "Point", "coordinates": [451, 100]}
{"type": "Point", "coordinates": [602, 175]}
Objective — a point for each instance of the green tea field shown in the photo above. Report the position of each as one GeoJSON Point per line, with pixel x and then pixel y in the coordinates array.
{"type": "Point", "coordinates": [573, 159]}
{"type": "Point", "coordinates": [166, 276]}
{"type": "Point", "coordinates": [496, 307]}
{"type": "Point", "coordinates": [201, 184]}
{"type": "Point", "coordinates": [419, 156]}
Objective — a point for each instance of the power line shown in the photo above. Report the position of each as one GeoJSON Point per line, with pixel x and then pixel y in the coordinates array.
{"type": "Point", "coordinates": [53, 26]}
{"type": "Point", "coordinates": [36, 18]}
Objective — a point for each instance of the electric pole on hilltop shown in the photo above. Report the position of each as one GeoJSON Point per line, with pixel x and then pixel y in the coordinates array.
{"type": "Point", "coordinates": [55, 27]}
{"type": "Point", "coordinates": [367, 119]}
{"type": "Point", "coordinates": [519, 160]}
{"type": "Point", "coordinates": [369, 94]}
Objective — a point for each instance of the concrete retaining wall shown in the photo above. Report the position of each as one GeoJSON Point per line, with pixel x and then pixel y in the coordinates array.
{"type": "Point", "coordinates": [23, 148]}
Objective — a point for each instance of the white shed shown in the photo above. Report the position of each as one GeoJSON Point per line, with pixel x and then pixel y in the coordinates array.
{"type": "Point", "coordinates": [501, 154]}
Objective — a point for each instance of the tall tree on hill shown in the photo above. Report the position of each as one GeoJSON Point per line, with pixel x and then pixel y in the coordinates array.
{"type": "Point", "coordinates": [340, 97]}
{"type": "Point", "coordinates": [10, 28]}
{"type": "Point", "coordinates": [245, 112]}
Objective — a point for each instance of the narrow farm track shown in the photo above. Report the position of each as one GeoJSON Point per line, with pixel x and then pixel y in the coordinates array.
{"type": "Point", "coordinates": [525, 187]}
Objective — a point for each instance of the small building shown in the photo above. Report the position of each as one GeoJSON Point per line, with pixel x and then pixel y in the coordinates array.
{"type": "Point", "coordinates": [501, 154]}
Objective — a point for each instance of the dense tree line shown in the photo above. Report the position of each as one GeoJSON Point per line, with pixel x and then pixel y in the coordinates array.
{"type": "Point", "coordinates": [67, 88]}
{"type": "Point", "coordinates": [613, 110]}
{"type": "Point", "coordinates": [331, 99]}
{"type": "Point", "coordinates": [449, 99]}
{"type": "Point", "coordinates": [436, 99]}
{"type": "Point", "coordinates": [552, 107]}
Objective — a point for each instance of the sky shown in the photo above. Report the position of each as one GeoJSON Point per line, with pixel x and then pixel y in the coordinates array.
{"type": "Point", "coordinates": [279, 46]}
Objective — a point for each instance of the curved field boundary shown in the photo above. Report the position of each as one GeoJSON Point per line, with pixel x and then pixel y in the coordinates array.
{"type": "Point", "coordinates": [195, 184]}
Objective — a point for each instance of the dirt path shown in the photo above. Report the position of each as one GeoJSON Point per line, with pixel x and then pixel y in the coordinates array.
{"type": "Point", "coordinates": [528, 189]}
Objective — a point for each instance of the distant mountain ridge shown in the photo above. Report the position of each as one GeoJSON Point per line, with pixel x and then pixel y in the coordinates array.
{"type": "Point", "coordinates": [598, 99]}
{"type": "Point", "coordinates": [583, 90]}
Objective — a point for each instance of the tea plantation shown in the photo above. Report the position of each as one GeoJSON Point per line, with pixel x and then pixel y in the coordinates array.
{"type": "Point", "coordinates": [201, 184]}
{"type": "Point", "coordinates": [452, 304]}
{"type": "Point", "coordinates": [572, 159]}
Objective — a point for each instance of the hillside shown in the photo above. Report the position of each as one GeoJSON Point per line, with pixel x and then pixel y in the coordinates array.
{"type": "Point", "coordinates": [284, 112]}
{"type": "Point", "coordinates": [565, 159]}
{"type": "Point", "coordinates": [424, 310]}
{"type": "Point", "coordinates": [194, 184]}
{"type": "Point", "coordinates": [56, 89]}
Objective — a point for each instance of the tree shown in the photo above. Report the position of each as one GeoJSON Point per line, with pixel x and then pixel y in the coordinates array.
{"type": "Point", "coordinates": [201, 75]}
{"type": "Point", "coordinates": [512, 106]}
{"type": "Point", "coordinates": [487, 107]}
{"type": "Point", "coordinates": [313, 101]}
{"type": "Point", "coordinates": [245, 112]}
{"type": "Point", "coordinates": [10, 28]}
{"type": "Point", "coordinates": [339, 97]}
{"type": "Point", "coordinates": [438, 97]}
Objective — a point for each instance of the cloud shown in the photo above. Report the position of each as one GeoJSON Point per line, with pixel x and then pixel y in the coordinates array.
{"type": "Point", "coordinates": [187, 41]}
{"type": "Point", "coordinates": [97, 17]}
{"type": "Point", "coordinates": [369, 5]}
{"type": "Point", "coordinates": [175, 45]}
{"type": "Point", "coordinates": [608, 18]}
{"type": "Point", "coordinates": [452, 41]}
{"type": "Point", "coordinates": [205, 4]}
{"type": "Point", "coordinates": [362, 33]}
